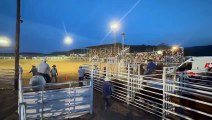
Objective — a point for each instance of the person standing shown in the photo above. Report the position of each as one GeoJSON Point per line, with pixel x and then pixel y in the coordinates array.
{"type": "Point", "coordinates": [54, 73]}
{"type": "Point", "coordinates": [44, 69]}
{"type": "Point", "coordinates": [107, 89]}
{"type": "Point", "coordinates": [150, 67]}
{"type": "Point", "coordinates": [33, 70]}
{"type": "Point", "coordinates": [81, 73]}
{"type": "Point", "coordinates": [20, 69]}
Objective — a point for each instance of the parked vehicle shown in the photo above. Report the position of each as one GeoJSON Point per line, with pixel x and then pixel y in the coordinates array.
{"type": "Point", "coordinates": [196, 65]}
{"type": "Point", "coordinates": [197, 68]}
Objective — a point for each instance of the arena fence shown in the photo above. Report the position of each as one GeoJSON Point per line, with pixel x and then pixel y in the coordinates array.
{"type": "Point", "coordinates": [161, 93]}
{"type": "Point", "coordinates": [188, 97]}
{"type": "Point", "coordinates": [55, 100]}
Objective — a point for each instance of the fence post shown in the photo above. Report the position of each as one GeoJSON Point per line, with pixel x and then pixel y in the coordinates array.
{"type": "Point", "coordinates": [70, 98]}
{"type": "Point", "coordinates": [116, 63]}
{"type": "Point", "coordinates": [91, 91]}
{"type": "Point", "coordinates": [174, 79]}
{"type": "Point", "coordinates": [164, 94]}
{"type": "Point", "coordinates": [42, 102]}
{"type": "Point", "coordinates": [106, 70]}
{"type": "Point", "coordinates": [128, 84]}
{"type": "Point", "coordinates": [20, 93]}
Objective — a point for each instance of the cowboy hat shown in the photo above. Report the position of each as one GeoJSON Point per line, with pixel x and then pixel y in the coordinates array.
{"type": "Point", "coordinates": [107, 79]}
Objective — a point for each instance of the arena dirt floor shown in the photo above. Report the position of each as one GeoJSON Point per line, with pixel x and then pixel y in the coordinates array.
{"type": "Point", "coordinates": [8, 105]}
{"type": "Point", "coordinates": [117, 110]}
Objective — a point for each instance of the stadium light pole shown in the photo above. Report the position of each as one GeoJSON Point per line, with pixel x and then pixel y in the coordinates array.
{"type": "Point", "coordinates": [123, 37]}
{"type": "Point", "coordinates": [114, 26]}
{"type": "Point", "coordinates": [68, 41]}
{"type": "Point", "coordinates": [17, 46]}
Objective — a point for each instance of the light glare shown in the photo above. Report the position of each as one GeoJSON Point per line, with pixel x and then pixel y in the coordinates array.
{"type": "Point", "coordinates": [4, 42]}
{"type": "Point", "coordinates": [68, 40]}
{"type": "Point", "coordinates": [160, 52]}
{"type": "Point", "coordinates": [174, 47]}
{"type": "Point", "coordinates": [114, 26]}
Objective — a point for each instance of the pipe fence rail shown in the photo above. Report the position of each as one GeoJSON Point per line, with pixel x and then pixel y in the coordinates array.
{"type": "Point", "coordinates": [55, 100]}
{"type": "Point", "coordinates": [165, 93]}
{"type": "Point", "coordinates": [188, 98]}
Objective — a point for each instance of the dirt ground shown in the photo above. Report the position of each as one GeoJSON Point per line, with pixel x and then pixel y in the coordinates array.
{"type": "Point", "coordinates": [117, 110]}
{"type": "Point", "coordinates": [8, 105]}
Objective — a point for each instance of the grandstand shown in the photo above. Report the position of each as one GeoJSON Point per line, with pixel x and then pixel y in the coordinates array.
{"type": "Point", "coordinates": [132, 54]}
{"type": "Point", "coordinates": [103, 51]}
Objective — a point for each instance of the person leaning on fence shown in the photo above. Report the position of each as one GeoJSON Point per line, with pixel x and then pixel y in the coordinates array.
{"type": "Point", "coordinates": [150, 67]}
{"type": "Point", "coordinates": [33, 70]}
{"type": "Point", "coordinates": [54, 73]}
{"type": "Point", "coordinates": [37, 82]}
{"type": "Point", "coordinates": [81, 73]}
{"type": "Point", "coordinates": [96, 72]}
{"type": "Point", "coordinates": [44, 69]}
{"type": "Point", "coordinates": [107, 90]}
{"type": "Point", "coordinates": [20, 69]}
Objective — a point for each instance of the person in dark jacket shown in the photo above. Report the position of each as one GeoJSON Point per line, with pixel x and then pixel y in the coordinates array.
{"type": "Point", "coordinates": [107, 90]}
{"type": "Point", "coordinates": [33, 70]}
{"type": "Point", "coordinates": [81, 74]}
{"type": "Point", "coordinates": [150, 67]}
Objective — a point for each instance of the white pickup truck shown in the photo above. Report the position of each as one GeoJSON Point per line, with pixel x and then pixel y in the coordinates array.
{"type": "Point", "coordinates": [197, 67]}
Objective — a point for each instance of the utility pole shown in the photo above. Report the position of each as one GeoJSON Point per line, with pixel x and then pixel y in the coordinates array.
{"type": "Point", "coordinates": [114, 41]}
{"type": "Point", "coordinates": [17, 46]}
{"type": "Point", "coordinates": [123, 37]}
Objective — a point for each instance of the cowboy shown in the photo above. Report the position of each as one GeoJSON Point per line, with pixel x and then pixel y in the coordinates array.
{"type": "Point", "coordinates": [81, 74]}
{"type": "Point", "coordinates": [150, 67]}
{"type": "Point", "coordinates": [54, 73]}
{"type": "Point", "coordinates": [107, 89]}
{"type": "Point", "coordinates": [33, 70]}
{"type": "Point", "coordinates": [43, 70]}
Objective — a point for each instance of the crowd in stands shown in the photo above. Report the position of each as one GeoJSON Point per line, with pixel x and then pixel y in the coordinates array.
{"type": "Point", "coordinates": [104, 52]}
{"type": "Point", "coordinates": [165, 56]}
{"type": "Point", "coordinates": [169, 55]}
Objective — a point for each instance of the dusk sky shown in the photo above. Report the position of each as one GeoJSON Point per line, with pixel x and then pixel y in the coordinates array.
{"type": "Point", "coordinates": [150, 22]}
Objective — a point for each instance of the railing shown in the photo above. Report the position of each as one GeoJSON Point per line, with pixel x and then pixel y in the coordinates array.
{"type": "Point", "coordinates": [55, 100]}
{"type": "Point", "coordinates": [21, 104]}
{"type": "Point", "coordinates": [141, 91]}
{"type": "Point", "coordinates": [164, 93]}
{"type": "Point", "coordinates": [188, 98]}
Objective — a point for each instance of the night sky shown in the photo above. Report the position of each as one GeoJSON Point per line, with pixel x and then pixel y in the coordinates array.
{"type": "Point", "coordinates": [47, 22]}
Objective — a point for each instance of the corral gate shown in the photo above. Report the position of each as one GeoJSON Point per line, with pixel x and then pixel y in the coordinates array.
{"type": "Point", "coordinates": [186, 97]}
{"type": "Point", "coordinates": [160, 93]}
{"type": "Point", "coordinates": [55, 100]}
